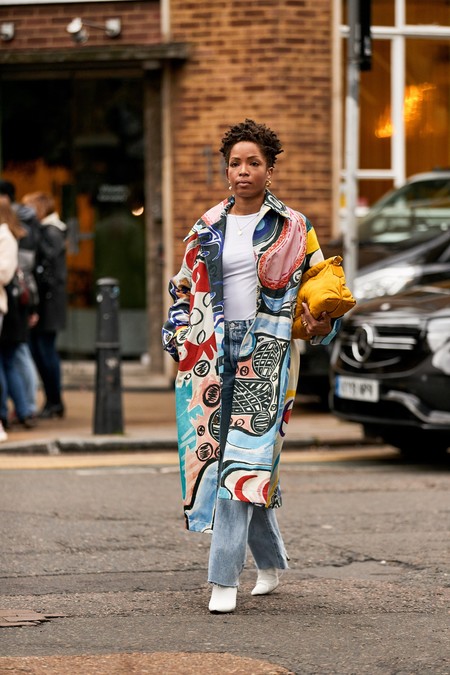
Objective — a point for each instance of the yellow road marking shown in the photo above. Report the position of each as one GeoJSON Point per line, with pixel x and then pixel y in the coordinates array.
{"type": "Point", "coordinates": [170, 458]}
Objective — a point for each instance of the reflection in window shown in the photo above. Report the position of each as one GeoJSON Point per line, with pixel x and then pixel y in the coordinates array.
{"type": "Point", "coordinates": [416, 212]}
{"type": "Point", "coordinates": [417, 101]}
{"type": "Point", "coordinates": [433, 12]}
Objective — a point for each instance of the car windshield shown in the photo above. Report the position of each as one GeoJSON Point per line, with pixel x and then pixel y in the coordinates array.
{"type": "Point", "coordinates": [415, 213]}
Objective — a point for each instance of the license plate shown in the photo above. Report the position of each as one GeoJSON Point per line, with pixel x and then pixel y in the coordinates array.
{"type": "Point", "coordinates": [357, 388]}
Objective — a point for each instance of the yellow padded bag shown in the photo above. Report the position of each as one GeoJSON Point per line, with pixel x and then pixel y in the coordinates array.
{"type": "Point", "coordinates": [323, 288]}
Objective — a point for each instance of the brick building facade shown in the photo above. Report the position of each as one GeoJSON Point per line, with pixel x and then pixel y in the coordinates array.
{"type": "Point", "coordinates": [264, 60]}
{"type": "Point", "coordinates": [203, 66]}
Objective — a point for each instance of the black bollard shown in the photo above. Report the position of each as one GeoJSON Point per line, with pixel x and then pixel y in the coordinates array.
{"type": "Point", "coordinates": [108, 389]}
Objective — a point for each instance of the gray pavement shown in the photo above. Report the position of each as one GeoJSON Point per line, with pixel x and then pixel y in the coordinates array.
{"type": "Point", "coordinates": [98, 550]}
{"type": "Point", "coordinates": [149, 423]}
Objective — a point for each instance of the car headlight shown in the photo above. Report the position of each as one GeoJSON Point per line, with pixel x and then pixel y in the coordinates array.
{"type": "Point", "coordinates": [387, 281]}
{"type": "Point", "coordinates": [438, 334]}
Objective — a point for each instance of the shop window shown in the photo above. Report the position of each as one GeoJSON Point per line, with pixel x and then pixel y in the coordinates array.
{"type": "Point", "coordinates": [375, 127]}
{"type": "Point", "coordinates": [424, 98]}
{"type": "Point", "coordinates": [383, 12]}
{"type": "Point", "coordinates": [432, 12]}
{"type": "Point", "coordinates": [426, 105]}
{"type": "Point", "coordinates": [82, 140]}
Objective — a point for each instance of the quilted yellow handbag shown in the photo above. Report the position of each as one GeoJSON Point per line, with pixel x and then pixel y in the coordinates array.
{"type": "Point", "coordinates": [323, 288]}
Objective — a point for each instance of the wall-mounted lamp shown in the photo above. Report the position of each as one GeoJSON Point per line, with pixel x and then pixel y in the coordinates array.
{"type": "Point", "coordinates": [77, 30]}
{"type": "Point", "coordinates": [7, 31]}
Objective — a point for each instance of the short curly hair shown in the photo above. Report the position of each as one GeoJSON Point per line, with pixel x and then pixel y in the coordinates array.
{"type": "Point", "coordinates": [249, 130]}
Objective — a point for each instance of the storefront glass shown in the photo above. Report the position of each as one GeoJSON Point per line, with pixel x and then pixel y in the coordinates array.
{"type": "Point", "coordinates": [426, 105]}
{"type": "Point", "coordinates": [432, 12]}
{"type": "Point", "coordinates": [383, 12]}
{"type": "Point", "coordinates": [424, 99]}
{"type": "Point", "coordinates": [81, 138]}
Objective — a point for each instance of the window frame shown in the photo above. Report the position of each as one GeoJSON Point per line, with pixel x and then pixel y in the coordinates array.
{"type": "Point", "coordinates": [397, 34]}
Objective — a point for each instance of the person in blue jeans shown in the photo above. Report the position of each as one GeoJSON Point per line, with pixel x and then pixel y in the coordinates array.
{"type": "Point", "coordinates": [241, 523]}
{"type": "Point", "coordinates": [230, 330]}
{"type": "Point", "coordinates": [10, 233]}
{"type": "Point", "coordinates": [24, 364]}
{"type": "Point", "coordinates": [13, 335]}
{"type": "Point", "coordinates": [13, 387]}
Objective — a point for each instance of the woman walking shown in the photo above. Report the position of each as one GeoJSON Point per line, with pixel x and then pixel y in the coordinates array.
{"type": "Point", "coordinates": [230, 331]}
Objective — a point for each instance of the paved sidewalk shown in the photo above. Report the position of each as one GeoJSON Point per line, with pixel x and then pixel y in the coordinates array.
{"type": "Point", "coordinates": [149, 422]}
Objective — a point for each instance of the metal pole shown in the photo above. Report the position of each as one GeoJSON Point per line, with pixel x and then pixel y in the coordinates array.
{"type": "Point", "coordinates": [350, 233]}
{"type": "Point", "coordinates": [108, 391]}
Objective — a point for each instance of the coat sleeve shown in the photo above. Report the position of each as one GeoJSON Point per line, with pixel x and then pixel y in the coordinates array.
{"type": "Point", "coordinates": [180, 291]}
{"type": "Point", "coordinates": [52, 244]}
{"type": "Point", "coordinates": [315, 255]}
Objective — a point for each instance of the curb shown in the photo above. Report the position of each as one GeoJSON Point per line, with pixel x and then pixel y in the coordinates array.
{"type": "Point", "coordinates": [113, 444]}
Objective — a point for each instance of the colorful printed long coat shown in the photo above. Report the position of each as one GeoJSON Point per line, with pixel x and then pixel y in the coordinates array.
{"type": "Point", "coordinates": [284, 245]}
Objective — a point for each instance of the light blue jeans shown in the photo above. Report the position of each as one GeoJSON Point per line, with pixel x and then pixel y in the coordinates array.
{"type": "Point", "coordinates": [12, 384]}
{"type": "Point", "coordinates": [237, 523]}
{"type": "Point", "coordinates": [24, 363]}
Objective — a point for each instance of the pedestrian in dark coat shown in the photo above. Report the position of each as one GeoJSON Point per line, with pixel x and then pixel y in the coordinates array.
{"type": "Point", "coordinates": [51, 277]}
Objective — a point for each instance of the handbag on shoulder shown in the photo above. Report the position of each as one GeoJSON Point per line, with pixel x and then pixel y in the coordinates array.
{"type": "Point", "coordinates": [23, 288]}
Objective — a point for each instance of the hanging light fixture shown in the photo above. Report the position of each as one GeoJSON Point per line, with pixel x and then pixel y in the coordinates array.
{"type": "Point", "coordinates": [76, 28]}
{"type": "Point", "coordinates": [7, 31]}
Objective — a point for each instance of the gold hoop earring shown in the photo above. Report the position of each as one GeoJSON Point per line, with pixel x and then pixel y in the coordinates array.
{"type": "Point", "coordinates": [229, 186]}
{"type": "Point", "coordinates": [268, 182]}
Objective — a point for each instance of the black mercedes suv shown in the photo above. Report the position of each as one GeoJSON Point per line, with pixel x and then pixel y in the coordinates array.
{"type": "Point", "coordinates": [390, 369]}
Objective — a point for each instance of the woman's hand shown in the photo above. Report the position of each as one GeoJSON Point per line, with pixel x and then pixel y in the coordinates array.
{"type": "Point", "coordinates": [320, 326]}
{"type": "Point", "coordinates": [183, 289]}
{"type": "Point", "coordinates": [182, 292]}
{"type": "Point", "coordinates": [33, 319]}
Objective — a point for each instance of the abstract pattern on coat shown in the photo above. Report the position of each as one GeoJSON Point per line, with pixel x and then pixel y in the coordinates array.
{"type": "Point", "coordinates": [284, 244]}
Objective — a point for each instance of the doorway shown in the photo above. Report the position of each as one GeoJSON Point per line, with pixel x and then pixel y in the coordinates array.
{"type": "Point", "coordinates": [81, 137]}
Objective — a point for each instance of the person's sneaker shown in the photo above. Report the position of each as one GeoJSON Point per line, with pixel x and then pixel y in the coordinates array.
{"type": "Point", "coordinates": [6, 424]}
{"type": "Point", "coordinates": [223, 599]}
{"type": "Point", "coordinates": [266, 582]}
{"type": "Point", "coordinates": [3, 434]}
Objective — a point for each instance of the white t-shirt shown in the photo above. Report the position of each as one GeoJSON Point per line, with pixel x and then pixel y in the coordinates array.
{"type": "Point", "coordinates": [239, 268]}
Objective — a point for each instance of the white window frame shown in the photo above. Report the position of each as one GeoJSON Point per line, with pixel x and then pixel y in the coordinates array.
{"type": "Point", "coordinates": [398, 34]}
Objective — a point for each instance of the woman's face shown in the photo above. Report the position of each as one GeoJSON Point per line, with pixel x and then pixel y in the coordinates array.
{"type": "Point", "coordinates": [247, 170]}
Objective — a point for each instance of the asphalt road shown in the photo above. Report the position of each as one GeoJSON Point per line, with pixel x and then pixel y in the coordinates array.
{"type": "Point", "coordinates": [96, 546]}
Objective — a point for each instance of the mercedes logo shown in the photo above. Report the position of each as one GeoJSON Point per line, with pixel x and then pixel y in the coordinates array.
{"type": "Point", "coordinates": [362, 342]}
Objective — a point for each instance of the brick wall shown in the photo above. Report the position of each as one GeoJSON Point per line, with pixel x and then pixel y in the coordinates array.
{"type": "Point", "coordinates": [263, 59]}
{"type": "Point", "coordinates": [44, 26]}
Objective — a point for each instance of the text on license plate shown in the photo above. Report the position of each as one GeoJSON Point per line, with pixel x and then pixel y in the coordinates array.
{"type": "Point", "coordinates": [357, 388]}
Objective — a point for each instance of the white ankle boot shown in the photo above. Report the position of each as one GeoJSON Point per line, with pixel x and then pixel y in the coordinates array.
{"type": "Point", "coordinates": [266, 582]}
{"type": "Point", "coordinates": [223, 599]}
